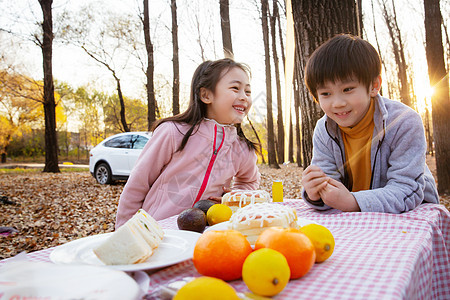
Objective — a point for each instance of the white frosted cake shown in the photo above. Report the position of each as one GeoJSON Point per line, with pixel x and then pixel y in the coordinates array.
{"type": "Point", "coordinates": [241, 198]}
{"type": "Point", "coordinates": [133, 242]}
{"type": "Point", "coordinates": [255, 218]}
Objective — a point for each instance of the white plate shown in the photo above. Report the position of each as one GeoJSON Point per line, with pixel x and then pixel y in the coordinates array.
{"type": "Point", "coordinates": [42, 280]}
{"type": "Point", "coordinates": [176, 246]}
{"type": "Point", "coordinates": [224, 225]}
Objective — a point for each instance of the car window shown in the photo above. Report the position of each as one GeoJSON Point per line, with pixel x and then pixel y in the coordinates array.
{"type": "Point", "coordinates": [139, 141]}
{"type": "Point", "coordinates": [123, 141]}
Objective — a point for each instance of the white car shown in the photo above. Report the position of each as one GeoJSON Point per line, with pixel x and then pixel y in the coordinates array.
{"type": "Point", "coordinates": [115, 157]}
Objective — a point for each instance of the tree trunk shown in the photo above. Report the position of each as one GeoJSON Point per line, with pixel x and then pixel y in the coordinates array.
{"type": "Point", "coordinates": [440, 100]}
{"type": "Point", "coordinates": [283, 58]}
{"type": "Point", "coordinates": [123, 119]}
{"type": "Point", "coordinates": [447, 43]}
{"type": "Point", "coordinates": [359, 18]}
{"type": "Point", "coordinates": [199, 38]}
{"type": "Point", "coordinates": [257, 138]}
{"type": "Point", "coordinates": [398, 50]}
{"type": "Point", "coordinates": [226, 28]}
{"type": "Point", "coordinates": [176, 64]}
{"type": "Point", "coordinates": [314, 23]}
{"type": "Point", "coordinates": [428, 135]}
{"type": "Point", "coordinates": [297, 125]}
{"type": "Point", "coordinates": [297, 91]}
{"type": "Point", "coordinates": [376, 40]}
{"type": "Point", "coordinates": [310, 112]}
{"type": "Point", "coordinates": [51, 140]}
{"type": "Point", "coordinates": [280, 34]}
{"type": "Point", "coordinates": [280, 127]}
{"type": "Point", "coordinates": [291, 141]}
{"type": "Point", "coordinates": [270, 133]}
{"type": "Point", "coordinates": [151, 116]}
{"type": "Point", "coordinates": [5, 150]}
{"type": "Point", "coordinates": [403, 66]}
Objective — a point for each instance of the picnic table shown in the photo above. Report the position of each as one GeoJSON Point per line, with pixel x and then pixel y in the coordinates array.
{"type": "Point", "coordinates": [377, 256]}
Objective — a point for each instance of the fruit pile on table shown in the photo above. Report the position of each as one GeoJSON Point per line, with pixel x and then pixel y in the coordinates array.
{"type": "Point", "coordinates": [279, 255]}
{"type": "Point", "coordinates": [204, 212]}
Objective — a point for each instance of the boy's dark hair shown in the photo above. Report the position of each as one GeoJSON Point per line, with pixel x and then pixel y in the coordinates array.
{"type": "Point", "coordinates": [340, 58]}
{"type": "Point", "coordinates": [207, 75]}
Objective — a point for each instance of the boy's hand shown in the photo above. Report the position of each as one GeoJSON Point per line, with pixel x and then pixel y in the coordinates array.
{"type": "Point", "coordinates": [314, 180]}
{"type": "Point", "coordinates": [336, 195]}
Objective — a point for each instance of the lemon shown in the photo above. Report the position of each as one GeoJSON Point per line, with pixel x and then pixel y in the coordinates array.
{"type": "Point", "coordinates": [322, 240]}
{"type": "Point", "coordinates": [206, 288]}
{"type": "Point", "coordinates": [218, 213]}
{"type": "Point", "coordinates": [266, 272]}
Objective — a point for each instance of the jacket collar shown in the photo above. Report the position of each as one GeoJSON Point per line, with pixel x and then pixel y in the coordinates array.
{"type": "Point", "coordinates": [379, 117]}
{"type": "Point", "coordinates": [207, 128]}
{"type": "Point", "coordinates": [217, 123]}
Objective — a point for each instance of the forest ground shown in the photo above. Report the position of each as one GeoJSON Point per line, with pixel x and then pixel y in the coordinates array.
{"type": "Point", "coordinates": [52, 209]}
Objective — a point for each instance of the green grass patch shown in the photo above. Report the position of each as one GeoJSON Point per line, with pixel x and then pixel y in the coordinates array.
{"type": "Point", "coordinates": [39, 170]}
{"type": "Point", "coordinates": [65, 169]}
{"type": "Point", "coordinates": [19, 170]}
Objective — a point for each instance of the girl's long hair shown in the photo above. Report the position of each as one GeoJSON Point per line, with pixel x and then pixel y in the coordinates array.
{"type": "Point", "coordinates": [207, 75]}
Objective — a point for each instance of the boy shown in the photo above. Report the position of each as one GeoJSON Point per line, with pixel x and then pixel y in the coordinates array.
{"type": "Point", "coordinates": [368, 151]}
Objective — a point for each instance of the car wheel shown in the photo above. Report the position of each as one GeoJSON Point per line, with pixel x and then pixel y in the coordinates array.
{"type": "Point", "coordinates": [103, 173]}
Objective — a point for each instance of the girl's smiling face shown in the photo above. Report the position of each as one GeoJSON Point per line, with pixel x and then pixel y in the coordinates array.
{"type": "Point", "coordinates": [231, 100]}
{"type": "Point", "coordinates": [347, 102]}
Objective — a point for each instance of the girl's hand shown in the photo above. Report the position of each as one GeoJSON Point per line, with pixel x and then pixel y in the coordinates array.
{"type": "Point", "coordinates": [314, 180]}
{"type": "Point", "coordinates": [219, 199]}
{"type": "Point", "coordinates": [336, 195]}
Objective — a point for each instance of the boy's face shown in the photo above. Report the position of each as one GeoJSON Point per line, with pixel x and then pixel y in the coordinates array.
{"type": "Point", "coordinates": [346, 102]}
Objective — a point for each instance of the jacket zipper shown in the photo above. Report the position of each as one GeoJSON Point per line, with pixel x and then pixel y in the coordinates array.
{"type": "Point", "coordinates": [346, 176]}
{"type": "Point", "coordinates": [335, 139]}
{"type": "Point", "coordinates": [376, 154]}
{"type": "Point", "coordinates": [211, 163]}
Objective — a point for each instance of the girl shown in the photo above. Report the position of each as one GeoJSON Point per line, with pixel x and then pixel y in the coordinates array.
{"type": "Point", "coordinates": [195, 155]}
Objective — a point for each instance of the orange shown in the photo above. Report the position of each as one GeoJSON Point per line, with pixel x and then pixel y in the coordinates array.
{"type": "Point", "coordinates": [293, 244]}
{"type": "Point", "coordinates": [221, 254]}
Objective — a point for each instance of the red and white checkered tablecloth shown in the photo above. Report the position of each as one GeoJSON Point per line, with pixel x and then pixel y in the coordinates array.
{"type": "Point", "coordinates": [377, 256]}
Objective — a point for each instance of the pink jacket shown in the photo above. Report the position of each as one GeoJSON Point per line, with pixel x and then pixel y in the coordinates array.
{"type": "Point", "coordinates": [165, 182]}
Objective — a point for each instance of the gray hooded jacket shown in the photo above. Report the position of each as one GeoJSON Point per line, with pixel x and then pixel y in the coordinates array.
{"type": "Point", "coordinates": [400, 179]}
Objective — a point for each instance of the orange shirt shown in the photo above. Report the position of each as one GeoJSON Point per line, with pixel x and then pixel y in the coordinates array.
{"type": "Point", "coordinates": [357, 143]}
